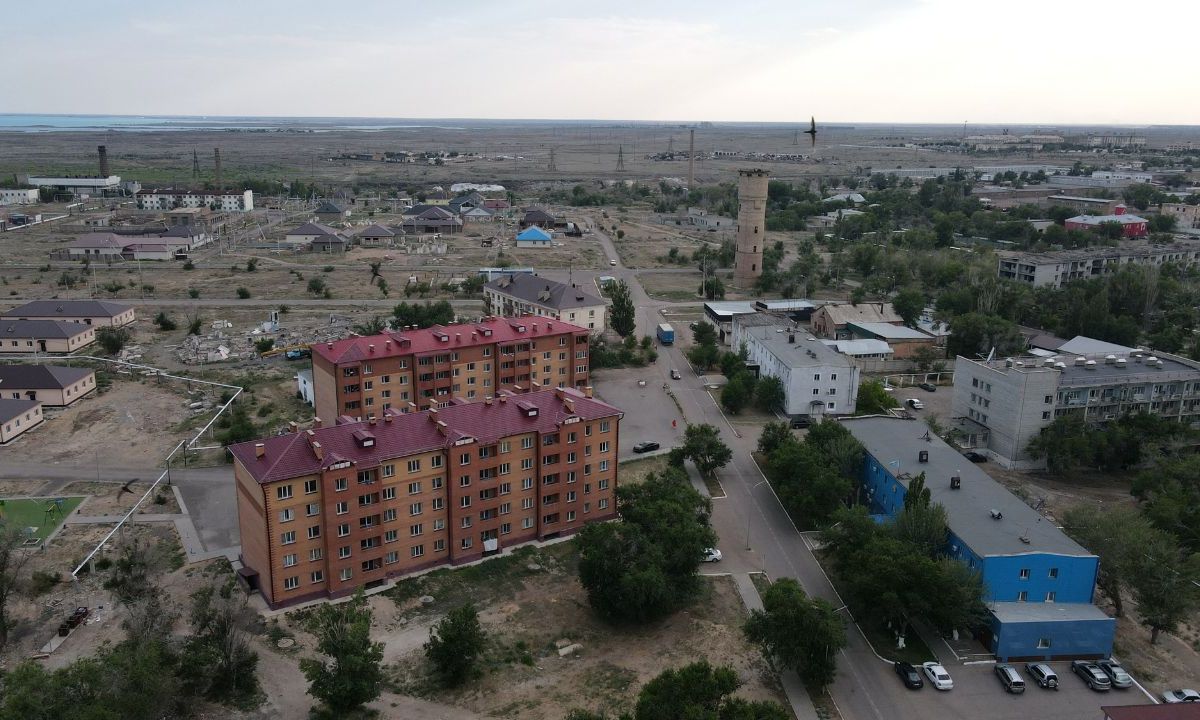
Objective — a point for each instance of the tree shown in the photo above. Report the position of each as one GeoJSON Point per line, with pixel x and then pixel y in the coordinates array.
{"type": "Point", "coordinates": [316, 285]}
{"type": "Point", "coordinates": [12, 564]}
{"type": "Point", "coordinates": [702, 445]}
{"type": "Point", "coordinates": [712, 289]}
{"type": "Point", "coordinates": [1170, 495]}
{"type": "Point", "coordinates": [374, 326]}
{"type": "Point", "coordinates": [1164, 589]}
{"type": "Point", "coordinates": [909, 304]}
{"type": "Point", "coordinates": [798, 633]}
{"type": "Point", "coordinates": [974, 334]}
{"type": "Point", "coordinates": [769, 395]}
{"type": "Point", "coordinates": [422, 315]}
{"type": "Point", "coordinates": [645, 566]}
{"type": "Point", "coordinates": [705, 334]}
{"type": "Point", "coordinates": [240, 428]}
{"type": "Point", "coordinates": [774, 434]}
{"type": "Point", "coordinates": [809, 486]}
{"type": "Point", "coordinates": [874, 399]}
{"type": "Point", "coordinates": [112, 340]}
{"type": "Point", "coordinates": [222, 665]}
{"type": "Point", "coordinates": [738, 392]}
{"type": "Point", "coordinates": [703, 357]}
{"type": "Point", "coordinates": [243, 293]}
{"type": "Point", "coordinates": [622, 314]}
{"type": "Point", "coordinates": [1116, 535]}
{"type": "Point", "coordinates": [700, 691]}
{"type": "Point", "coordinates": [922, 524]}
{"type": "Point", "coordinates": [455, 643]}
{"type": "Point", "coordinates": [164, 322]}
{"type": "Point", "coordinates": [353, 673]}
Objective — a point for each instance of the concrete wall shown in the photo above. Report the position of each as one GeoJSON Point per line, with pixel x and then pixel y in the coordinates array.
{"type": "Point", "coordinates": [1011, 403]}
{"type": "Point", "coordinates": [1067, 639]}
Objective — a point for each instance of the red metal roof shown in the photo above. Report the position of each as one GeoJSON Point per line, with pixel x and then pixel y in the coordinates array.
{"type": "Point", "coordinates": [292, 455]}
{"type": "Point", "coordinates": [408, 342]}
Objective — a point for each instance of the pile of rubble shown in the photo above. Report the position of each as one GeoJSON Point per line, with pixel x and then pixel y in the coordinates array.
{"type": "Point", "coordinates": [223, 344]}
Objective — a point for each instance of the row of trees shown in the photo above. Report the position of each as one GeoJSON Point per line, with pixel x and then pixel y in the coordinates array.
{"type": "Point", "coordinates": [1071, 442]}
{"type": "Point", "coordinates": [814, 477]}
{"type": "Point", "coordinates": [742, 388]}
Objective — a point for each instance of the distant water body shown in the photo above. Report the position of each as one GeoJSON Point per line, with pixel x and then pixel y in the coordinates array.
{"type": "Point", "coordinates": [166, 123]}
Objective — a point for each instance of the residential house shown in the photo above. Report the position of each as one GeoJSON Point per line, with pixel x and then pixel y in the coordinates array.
{"type": "Point", "coordinates": [462, 203]}
{"type": "Point", "coordinates": [538, 217]}
{"type": "Point", "coordinates": [525, 294]}
{"type": "Point", "coordinates": [478, 215]}
{"type": "Point", "coordinates": [51, 385]}
{"type": "Point", "coordinates": [308, 233]}
{"type": "Point", "coordinates": [327, 511]}
{"type": "Point", "coordinates": [17, 417]}
{"type": "Point", "coordinates": [432, 220]}
{"type": "Point", "coordinates": [329, 211]}
{"type": "Point", "coordinates": [101, 313]}
{"type": "Point", "coordinates": [438, 197]}
{"type": "Point", "coordinates": [416, 369]}
{"type": "Point", "coordinates": [375, 235]}
{"type": "Point", "coordinates": [831, 320]}
{"type": "Point", "coordinates": [496, 204]}
{"type": "Point", "coordinates": [534, 236]}
{"type": "Point", "coordinates": [44, 336]}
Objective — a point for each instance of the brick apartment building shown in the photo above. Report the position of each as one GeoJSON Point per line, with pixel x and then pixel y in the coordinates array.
{"type": "Point", "coordinates": [410, 370]}
{"type": "Point", "coordinates": [325, 511]}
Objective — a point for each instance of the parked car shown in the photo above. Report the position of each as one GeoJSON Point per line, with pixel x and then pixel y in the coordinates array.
{"type": "Point", "coordinates": [1091, 674]}
{"type": "Point", "coordinates": [915, 404]}
{"type": "Point", "coordinates": [612, 262]}
{"type": "Point", "coordinates": [799, 423]}
{"type": "Point", "coordinates": [1180, 696]}
{"type": "Point", "coordinates": [910, 676]}
{"type": "Point", "coordinates": [712, 555]}
{"type": "Point", "coordinates": [1115, 673]}
{"type": "Point", "coordinates": [1043, 675]}
{"type": "Point", "coordinates": [938, 677]}
{"type": "Point", "coordinates": [1010, 678]}
{"type": "Point", "coordinates": [647, 446]}
{"type": "Point", "coordinates": [675, 374]}
{"type": "Point", "coordinates": [928, 387]}
{"type": "Point", "coordinates": [975, 457]}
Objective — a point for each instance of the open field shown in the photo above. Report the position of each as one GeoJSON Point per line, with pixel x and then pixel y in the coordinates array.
{"type": "Point", "coordinates": [42, 515]}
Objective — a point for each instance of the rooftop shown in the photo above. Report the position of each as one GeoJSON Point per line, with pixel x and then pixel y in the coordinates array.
{"type": "Point", "coordinates": [398, 435]}
{"type": "Point", "coordinates": [68, 309]}
{"type": "Point", "coordinates": [1173, 711]}
{"type": "Point", "coordinates": [540, 291]}
{"type": "Point", "coordinates": [729, 308]}
{"type": "Point", "coordinates": [856, 348]}
{"type": "Point", "coordinates": [1125, 249]}
{"type": "Point", "coordinates": [533, 232]}
{"type": "Point", "coordinates": [888, 331]}
{"type": "Point", "coordinates": [1097, 219]}
{"type": "Point", "coordinates": [40, 377]}
{"type": "Point", "coordinates": [803, 351]}
{"type": "Point", "coordinates": [1007, 612]}
{"type": "Point", "coordinates": [375, 230]}
{"type": "Point", "coordinates": [895, 442]}
{"type": "Point", "coordinates": [393, 343]}
{"type": "Point", "coordinates": [840, 314]}
{"type": "Point", "coordinates": [1106, 367]}
{"type": "Point", "coordinates": [41, 329]}
{"type": "Point", "coordinates": [788, 305]}
{"type": "Point", "coordinates": [312, 228]}
{"type": "Point", "coordinates": [10, 408]}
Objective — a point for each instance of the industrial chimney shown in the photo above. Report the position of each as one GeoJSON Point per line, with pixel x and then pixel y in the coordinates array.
{"type": "Point", "coordinates": [103, 160]}
{"type": "Point", "coordinates": [217, 167]}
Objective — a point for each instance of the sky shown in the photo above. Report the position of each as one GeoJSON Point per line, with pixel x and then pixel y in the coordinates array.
{"type": "Point", "coordinates": [939, 61]}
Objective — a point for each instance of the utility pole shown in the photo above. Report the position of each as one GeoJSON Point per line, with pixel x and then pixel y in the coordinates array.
{"type": "Point", "coordinates": [691, 158]}
{"type": "Point", "coordinates": [621, 158]}
{"type": "Point", "coordinates": [551, 167]}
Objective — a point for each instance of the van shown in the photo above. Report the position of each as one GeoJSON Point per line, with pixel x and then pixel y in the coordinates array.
{"type": "Point", "coordinates": [1010, 678]}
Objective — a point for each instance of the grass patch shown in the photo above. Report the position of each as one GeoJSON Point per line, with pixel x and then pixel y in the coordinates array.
{"type": "Point", "coordinates": [42, 514]}
{"type": "Point", "coordinates": [762, 583]}
{"type": "Point", "coordinates": [634, 472]}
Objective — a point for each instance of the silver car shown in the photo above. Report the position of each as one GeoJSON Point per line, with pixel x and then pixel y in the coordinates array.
{"type": "Point", "coordinates": [1043, 675]}
{"type": "Point", "coordinates": [1116, 673]}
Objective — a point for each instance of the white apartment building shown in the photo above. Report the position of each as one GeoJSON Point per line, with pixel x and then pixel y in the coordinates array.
{"type": "Point", "coordinates": [1014, 398]}
{"type": "Point", "coordinates": [227, 201]}
{"type": "Point", "coordinates": [1057, 268]}
{"type": "Point", "coordinates": [817, 380]}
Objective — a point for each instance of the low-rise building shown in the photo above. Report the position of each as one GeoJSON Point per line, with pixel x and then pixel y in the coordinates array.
{"type": "Point", "coordinates": [1015, 398]}
{"type": "Point", "coordinates": [1057, 268]}
{"type": "Point", "coordinates": [51, 385]}
{"type": "Point", "coordinates": [308, 233]}
{"type": "Point", "coordinates": [17, 417]}
{"type": "Point", "coordinates": [172, 198]}
{"type": "Point", "coordinates": [416, 369]}
{"type": "Point", "coordinates": [539, 217]}
{"type": "Point", "coordinates": [44, 336]}
{"type": "Point", "coordinates": [905, 342]}
{"type": "Point", "coordinates": [1132, 226]}
{"type": "Point", "coordinates": [1038, 583]}
{"type": "Point", "coordinates": [330, 211]}
{"type": "Point", "coordinates": [326, 511]}
{"type": "Point", "coordinates": [721, 314]}
{"type": "Point", "coordinates": [478, 215]}
{"type": "Point", "coordinates": [534, 237]}
{"type": "Point", "coordinates": [22, 196]}
{"type": "Point", "coordinates": [1091, 205]}
{"type": "Point", "coordinates": [173, 243]}
{"type": "Point", "coordinates": [432, 220]}
{"type": "Point", "coordinates": [1186, 216]}
{"type": "Point", "coordinates": [304, 387]}
{"type": "Point", "coordinates": [101, 313]}
{"type": "Point", "coordinates": [862, 349]}
{"type": "Point", "coordinates": [375, 235]}
{"type": "Point", "coordinates": [831, 320]}
{"type": "Point", "coordinates": [524, 294]}
{"type": "Point", "coordinates": [817, 380]}
{"type": "Point", "coordinates": [79, 187]}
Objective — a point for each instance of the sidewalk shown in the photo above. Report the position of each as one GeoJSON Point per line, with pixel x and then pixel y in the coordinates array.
{"type": "Point", "coordinates": [797, 695]}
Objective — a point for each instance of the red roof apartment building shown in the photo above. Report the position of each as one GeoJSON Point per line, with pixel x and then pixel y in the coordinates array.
{"type": "Point", "coordinates": [323, 512]}
{"type": "Point", "coordinates": [410, 370]}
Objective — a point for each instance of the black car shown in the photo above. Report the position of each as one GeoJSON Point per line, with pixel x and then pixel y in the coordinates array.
{"type": "Point", "coordinates": [644, 447]}
{"type": "Point", "coordinates": [928, 387]}
{"type": "Point", "coordinates": [975, 457]}
{"type": "Point", "coordinates": [799, 423]}
{"type": "Point", "coordinates": [910, 676]}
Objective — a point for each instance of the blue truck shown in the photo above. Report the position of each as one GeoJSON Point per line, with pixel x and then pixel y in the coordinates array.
{"type": "Point", "coordinates": [666, 334]}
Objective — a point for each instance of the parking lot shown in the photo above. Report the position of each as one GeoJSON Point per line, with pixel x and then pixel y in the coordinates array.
{"type": "Point", "coordinates": [978, 693]}
{"type": "Point", "coordinates": [648, 409]}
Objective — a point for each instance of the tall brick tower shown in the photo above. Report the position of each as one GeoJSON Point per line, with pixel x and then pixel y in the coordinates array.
{"type": "Point", "coordinates": [752, 223]}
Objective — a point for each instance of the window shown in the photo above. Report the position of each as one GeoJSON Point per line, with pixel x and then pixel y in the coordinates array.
{"type": "Point", "coordinates": [1050, 596]}
{"type": "Point", "coordinates": [438, 503]}
{"type": "Point", "coordinates": [464, 481]}
{"type": "Point", "coordinates": [389, 514]}
{"type": "Point", "coordinates": [816, 391]}
{"type": "Point", "coordinates": [832, 391]}
{"type": "Point", "coordinates": [603, 504]}
{"type": "Point", "coordinates": [341, 508]}
{"type": "Point", "coordinates": [391, 536]}
{"type": "Point", "coordinates": [312, 509]}
{"type": "Point", "coordinates": [603, 426]}
{"type": "Point", "coordinates": [527, 464]}
{"type": "Point", "coordinates": [604, 447]}
{"type": "Point", "coordinates": [505, 468]}
{"type": "Point", "coordinates": [526, 443]}
{"type": "Point", "coordinates": [1046, 415]}
{"type": "Point", "coordinates": [833, 376]}
{"type": "Point", "coordinates": [527, 484]}
{"type": "Point", "coordinates": [414, 488]}
{"type": "Point", "coordinates": [347, 573]}
{"type": "Point", "coordinates": [310, 487]}
{"type": "Point", "coordinates": [1043, 643]}
{"type": "Point", "coordinates": [466, 544]}
{"type": "Point", "coordinates": [436, 483]}
{"type": "Point", "coordinates": [389, 493]}
{"type": "Point", "coordinates": [435, 461]}
{"type": "Point", "coordinates": [291, 583]}
{"type": "Point", "coordinates": [505, 528]}
{"type": "Point", "coordinates": [439, 524]}
{"type": "Point", "coordinates": [314, 532]}
{"type": "Point", "coordinates": [288, 537]}
{"type": "Point", "coordinates": [343, 529]}
{"type": "Point", "coordinates": [287, 515]}
{"type": "Point", "coordinates": [1024, 573]}
{"type": "Point", "coordinates": [1023, 596]}
{"type": "Point", "coordinates": [317, 576]}
{"type": "Point", "coordinates": [314, 554]}
{"type": "Point", "coordinates": [439, 545]}
{"type": "Point", "coordinates": [505, 446]}
{"type": "Point", "coordinates": [344, 552]}
{"type": "Point", "coordinates": [817, 377]}
{"type": "Point", "coordinates": [1049, 399]}
{"type": "Point", "coordinates": [283, 492]}
{"type": "Point", "coordinates": [526, 523]}
{"type": "Point", "coordinates": [414, 466]}
{"type": "Point", "coordinates": [414, 509]}
{"type": "Point", "coordinates": [464, 501]}
{"type": "Point", "coordinates": [289, 560]}
{"type": "Point", "coordinates": [415, 530]}
{"type": "Point", "coordinates": [464, 459]}
{"type": "Point", "coordinates": [1053, 573]}
{"type": "Point", "coordinates": [417, 551]}
{"type": "Point", "coordinates": [339, 484]}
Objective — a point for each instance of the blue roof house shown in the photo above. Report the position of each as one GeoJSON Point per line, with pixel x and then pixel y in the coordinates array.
{"type": "Point", "coordinates": [533, 237]}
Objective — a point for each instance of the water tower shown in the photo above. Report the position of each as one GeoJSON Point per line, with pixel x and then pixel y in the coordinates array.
{"type": "Point", "coordinates": [752, 224]}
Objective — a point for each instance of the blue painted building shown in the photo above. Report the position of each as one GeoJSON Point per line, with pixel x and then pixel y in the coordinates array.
{"type": "Point", "coordinates": [1038, 583]}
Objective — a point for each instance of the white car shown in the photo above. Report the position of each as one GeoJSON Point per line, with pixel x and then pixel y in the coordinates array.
{"type": "Point", "coordinates": [938, 677]}
{"type": "Point", "coordinates": [915, 404]}
{"type": "Point", "coordinates": [1181, 696]}
{"type": "Point", "coordinates": [712, 555]}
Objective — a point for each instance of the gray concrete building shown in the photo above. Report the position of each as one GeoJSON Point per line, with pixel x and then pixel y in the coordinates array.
{"type": "Point", "coordinates": [1058, 268]}
{"type": "Point", "coordinates": [817, 380]}
{"type": "Point", "coordinates": [1009, 400]}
